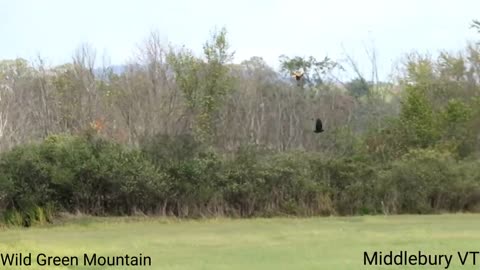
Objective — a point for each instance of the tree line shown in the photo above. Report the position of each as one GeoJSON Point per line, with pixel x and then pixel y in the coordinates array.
{"type": "Point", "coordinates": [179, 134]}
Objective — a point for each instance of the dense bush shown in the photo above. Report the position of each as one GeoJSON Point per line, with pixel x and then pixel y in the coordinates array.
{"type": "Point", "coordinates": [179, 176]}
{"type": "Point", "coordinates": [85, 174]}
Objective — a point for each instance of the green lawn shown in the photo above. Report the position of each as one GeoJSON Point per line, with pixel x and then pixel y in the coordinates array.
{"type": "Point", "coordinates": [280, 243]}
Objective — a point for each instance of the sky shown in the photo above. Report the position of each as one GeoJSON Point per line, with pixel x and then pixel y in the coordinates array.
{"type": "Point", "coordinates": [53, 29]}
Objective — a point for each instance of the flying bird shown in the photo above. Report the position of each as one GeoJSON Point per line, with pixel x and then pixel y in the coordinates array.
{"type": "Point", "coordinates": [318, 126]}
{"type": "Point", "coordinates": [298, 74]}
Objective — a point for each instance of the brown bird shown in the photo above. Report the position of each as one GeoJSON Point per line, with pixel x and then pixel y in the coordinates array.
{"type": "Point", "coordinates": [298, 74]}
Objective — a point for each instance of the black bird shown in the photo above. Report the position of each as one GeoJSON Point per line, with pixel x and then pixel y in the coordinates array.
{"type": "Point", "coordinates": [318, 126]}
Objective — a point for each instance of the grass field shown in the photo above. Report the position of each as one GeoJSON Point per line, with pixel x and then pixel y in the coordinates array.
{"type": "Point", "coordinates": [280, 243]}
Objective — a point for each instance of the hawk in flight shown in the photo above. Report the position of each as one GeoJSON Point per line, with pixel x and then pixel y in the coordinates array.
{"type": "Point", "coordinates": [298, 74]}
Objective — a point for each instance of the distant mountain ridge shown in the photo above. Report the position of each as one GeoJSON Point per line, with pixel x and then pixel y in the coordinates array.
{"type": "Point", "coordinates": [116, 69]}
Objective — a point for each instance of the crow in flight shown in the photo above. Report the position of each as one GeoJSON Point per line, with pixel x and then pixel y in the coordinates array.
{"type": "Point", "coordinates": [318, 126]}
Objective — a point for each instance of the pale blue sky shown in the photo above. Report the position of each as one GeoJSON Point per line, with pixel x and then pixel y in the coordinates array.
{"type": "Point", "coordinates": [54, 28]}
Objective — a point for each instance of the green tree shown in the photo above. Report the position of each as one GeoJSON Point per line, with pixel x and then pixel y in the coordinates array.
{"type": "Point", "coordinates": [417, 119]}
{"type": "Point", "coordinates": [205, 84]}
{"type": "Point", "coordinates": [314, 70]}
{"type": "Point", "coordinates": [358, 87]}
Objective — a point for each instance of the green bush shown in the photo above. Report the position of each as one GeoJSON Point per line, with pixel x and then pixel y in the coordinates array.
{"type": "Point", "coordinates": [13, 217]}
{"type": "Point", "coordinates": [176, 175]}
{"type": "Point", "coordinates": [192, 185]}
{"type": "Point", "coordinates": [86, 174]}
{"type": "Point", "coordinates": [423, 181]}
